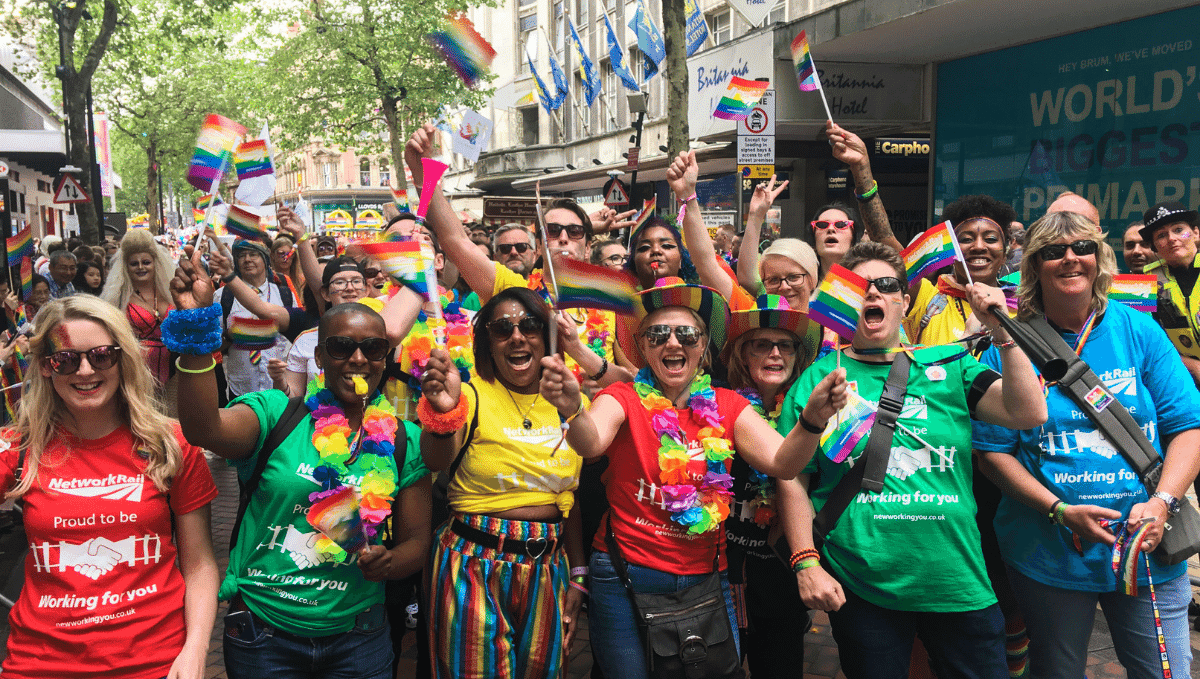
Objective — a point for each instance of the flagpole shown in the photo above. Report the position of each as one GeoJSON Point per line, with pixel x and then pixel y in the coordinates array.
{"type": "Point", "coordinates": [550, 281]}
{"type": "Point", "coordinates": [817, 77]}
{"type": "Point", "coordinates": [212, 202]}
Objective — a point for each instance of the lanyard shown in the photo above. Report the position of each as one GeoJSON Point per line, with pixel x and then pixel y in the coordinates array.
{"type": "Point", "coordinates": [1084, 334]}
{"type": "Point", "coordinates": [910, 348]}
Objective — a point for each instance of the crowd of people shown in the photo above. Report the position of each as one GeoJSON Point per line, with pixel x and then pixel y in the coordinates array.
{"type": "Point", "coordinates": [512, 465]}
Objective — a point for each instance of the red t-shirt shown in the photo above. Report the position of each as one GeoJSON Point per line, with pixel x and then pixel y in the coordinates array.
{"type": "Point", "coordinates": [102, 595]}
{"type": "Point", "coordinates": [643, 527]}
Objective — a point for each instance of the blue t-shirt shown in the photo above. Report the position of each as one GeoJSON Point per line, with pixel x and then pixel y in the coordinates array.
{"type": "Point", "coordinates": [1134, 359]}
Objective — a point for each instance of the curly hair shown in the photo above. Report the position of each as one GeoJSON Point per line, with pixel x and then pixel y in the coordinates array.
{"type": "Point", "coordinates": [970, 207]}
{"type": "Point", "coordinates": [118, 289]}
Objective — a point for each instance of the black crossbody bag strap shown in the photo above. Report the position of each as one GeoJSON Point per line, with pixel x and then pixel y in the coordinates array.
{"type": "Point", "coordinates": [869, 471]}
{"type": "Point", "coordinates": [618, 562]}
{"type": "Point", "coordinates": [443, 481]}
{"type": "Point", "coordinates": [292, 415]}
{"type": "Point", "coordinates": [1114, 421]}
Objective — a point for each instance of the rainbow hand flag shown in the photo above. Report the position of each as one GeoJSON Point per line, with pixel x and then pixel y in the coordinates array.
{"type": "Point", "coordinates": [214, 151]}
{"type": "Point", "coordinates": [852, 425]}
{"type": "Point", "coordinates": [586, 286]}
{"type": "Point", "coordinates": [26, 278]}
{"type": "Point", "coordinates": [246, 224]}
{"type": "Point", "coordinates": [806, 68]}
{"type": "Point", "coordinates": [839, 301]}
{"type": "Point", "coordinates": [740, 98]}
{"type": "Point", "coordinates": [20, 246]}
{"type": "Point", "coordinates": [207, 200]}
{"type": "Point", "coordinates": [463, 48]}
{"type": "Point", "coordinates": [1138, 291]}
{"type": "Point", "coordinates": [408, 261]}
{"type": "Point", "coordinates": [929, 252]}
{"type": "Point", "coordinates": [252, 160]}
{"type": "Point", "coordinates": [644, 216]}
{"type": "Point", "coordinates": [339, 519]}
{"type": "Point", "coordinates": [252, 333]}
{"type": "Point", "coordinates": [399, 196]}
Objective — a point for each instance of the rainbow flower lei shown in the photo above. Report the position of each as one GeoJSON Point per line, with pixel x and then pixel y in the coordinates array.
{"type": "Point", "coordinates": [331, 438]}
{"type": "Point", "coordinates": [701, 504]}
{"type": "Point", "coordinates": [422, 339]}
{"type": "Point", "coordinates": [595, 336]}
{"type": "Point", "coordinates": [764, 488]}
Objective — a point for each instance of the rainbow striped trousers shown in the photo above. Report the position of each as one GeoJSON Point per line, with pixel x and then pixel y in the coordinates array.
{"type": "Point", "coordinates": [494, 614]}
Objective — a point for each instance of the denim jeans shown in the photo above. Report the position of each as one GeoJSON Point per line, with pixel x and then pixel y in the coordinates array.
{"type": "Point", "coordinates": [363, 652]}
{"type": "Point", "coordinates": [876, 643]}
{"type": "Point", "coordinates": [616, 645]}
{"type": "Point", "coordinates": [1060, 624]}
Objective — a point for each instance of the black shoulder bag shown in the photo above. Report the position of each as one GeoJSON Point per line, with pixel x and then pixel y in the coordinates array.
{"type": "Point", "coordinates": [1181, 537]}
{"type": "Point", "coordinates": [868, 472]}
{"type": "Point", "coordinates": [686, 634]}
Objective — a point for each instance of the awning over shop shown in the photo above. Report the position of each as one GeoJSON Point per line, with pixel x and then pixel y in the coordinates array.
{"type": "Point", "coordinates": [42, 150]}
{"type": "Point", "coordinates": [713, 159]}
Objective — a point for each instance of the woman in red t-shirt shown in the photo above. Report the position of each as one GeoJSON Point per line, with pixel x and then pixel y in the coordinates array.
{"type": "Point", "coordinates": [668, 500]}
{"type": "Point", "coordinates": [101, 473]}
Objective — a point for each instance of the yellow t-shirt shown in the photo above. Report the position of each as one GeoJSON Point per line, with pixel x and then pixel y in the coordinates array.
{"type": "Point", "coordinates": [946, 324]}
{"type": "Point", "coordinates": [508, 466]}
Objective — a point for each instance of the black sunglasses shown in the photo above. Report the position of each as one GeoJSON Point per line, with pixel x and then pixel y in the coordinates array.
{"type": "Point", "coordinates": [502, 328]}
{"type": "Point", "coordinates": [574, 231]}
{"type": "Point", "coordinates": [67, 362]}
{"type": "Point", "coordinates": [341, 348]}
{"type": "Point", "coordinates": [1081, 248]}
{"type": "Point", "coordinates": [885, 285]}
{"type": "Point", "coordinates": [371, 272]}
{"type": "Point", "coordinates": [688, 335]}
{"type": "Point", "coordinates": [764, 347]}
{"type": "Point", "coordinates": [505, 248]}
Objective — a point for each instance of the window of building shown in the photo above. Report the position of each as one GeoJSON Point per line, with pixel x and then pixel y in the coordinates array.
{"type": "Point", "coordinates": [778, 13]}
{"type": "Point", "coordinates": [559, 30]}
{"type": "Point", "coordinates": [610, 94]}
{"type": "Point", "coordinates": [529, 125]}
{"type": "Point", "coordinates": [385, 173]}
{"type": "Point", "coordinates": [719, 27]}
{"type": "Point", "coordinates": [327, 178]}
{"type": "Point", "coordinates": [364, 172]}
{"type": "Point", "coordinates": [582, 15]}
{"type": "Point", "coordinates": [528, 28]}
{"type": "Point", "coordinates": [633, 63]}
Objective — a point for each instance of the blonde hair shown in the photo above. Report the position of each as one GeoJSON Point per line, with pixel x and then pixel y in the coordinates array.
{"type": "Point", "coordinates": [42, 412]}
{"type": "Point", "coordinates": [118, 288]}
{"type": "Point", "coordinates": [1045, 231]}
{"type": "Point", "coordinates": [796, 250]}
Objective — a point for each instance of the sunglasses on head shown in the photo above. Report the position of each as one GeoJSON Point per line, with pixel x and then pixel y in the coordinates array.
{"type": "Point", "coordinates": [1081, 248]}
{"type": "Point", "coordinates": [67, 361]}
{"type": "Point", "coordinates": [688, 335]}
{"type": "Point", "coordinates": [885, 285]}
{"type": "Point", "coordinates": [502, 328]}
{"type": "Point", "coordinates": [764, 347]}
{"type": "Point", "coordinates": [341, 348]}
{"type": "Point", "coordinates": [574, 231]}
{"type": "Point", "coordinates": [840, 224]}
{"type": "Point", "coordinates": [505, 248]}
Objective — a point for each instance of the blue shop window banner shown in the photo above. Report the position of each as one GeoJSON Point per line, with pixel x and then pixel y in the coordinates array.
{"type": "Point", "coordinates": [718, 194]}
{"type": "Point", "coordinates": [1112, 114]}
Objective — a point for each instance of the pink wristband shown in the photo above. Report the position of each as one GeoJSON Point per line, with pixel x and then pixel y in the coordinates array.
{"type": "Point", "coordinates": [683, 210]}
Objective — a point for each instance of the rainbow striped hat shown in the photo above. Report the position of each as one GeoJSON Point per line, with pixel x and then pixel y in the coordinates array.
{"type": "Point", "coordinates": [674, 291]}
{"type": "Point", "coordinates": [770, 311]}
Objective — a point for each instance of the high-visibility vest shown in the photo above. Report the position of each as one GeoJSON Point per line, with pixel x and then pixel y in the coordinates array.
{"type": "Point", "coordinates": [1178, 315]}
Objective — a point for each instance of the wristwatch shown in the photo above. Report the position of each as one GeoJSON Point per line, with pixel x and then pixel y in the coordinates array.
{"type": "Point", "coordinates": [1171, 502]}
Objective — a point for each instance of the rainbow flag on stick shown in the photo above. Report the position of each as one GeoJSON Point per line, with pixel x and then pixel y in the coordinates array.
{"type": "Point", "coordinates": [839, 301]}
{"type": "Point", "coordinates": [929, 252]}
{"type": "Point", "coordinates": [408, 261]}
{"type": "Point", "coordinates": [252, 160]}
{"type": "Point", "coordinates": [252, 333]}
{"type": "Point", "coordinates": [463, 48]}
{"type": "Point", "coordinates": [207, 200]}
{"type": "Point", "coordinates": [807, 78]}
{"type": "Point", "coordinates": [400, 196]}
{"type": "Point", "coordinates": [587, 286]}
{"type": "Point", "coordinates": [740, 98]}
{"type": "Point", "coordinates": [246, 224]}
{"type": "Point", "coordinates": [26, 278]}
{"type": "Point", "coordinates": [214, 151]}
{"type": "Point", "coordinates": [640, 219]}
{"type": "Point", "coordinates": [20, 246]}
{"type": "Point", "coordinates": [1136, 290]}
{"type": "Point", "coordinates": [852, 424]}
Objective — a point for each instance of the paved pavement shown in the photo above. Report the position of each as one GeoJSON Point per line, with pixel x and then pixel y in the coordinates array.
{"type": "Point", "coordinates": [820, 652]}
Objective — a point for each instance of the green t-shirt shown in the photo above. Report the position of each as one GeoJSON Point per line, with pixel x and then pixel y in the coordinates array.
{"type": "Point", "coordinates": [274, 566]}
{"type": "Point", "coordinates": [471, 302]}
{"type": "Point", "coordinates": [915, 546]}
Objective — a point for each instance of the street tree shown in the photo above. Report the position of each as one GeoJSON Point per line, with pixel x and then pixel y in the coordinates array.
{"type": "Point", "coordinates": [676, 73]}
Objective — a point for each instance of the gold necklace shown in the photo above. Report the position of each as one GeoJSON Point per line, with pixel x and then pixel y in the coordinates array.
{"type": "Point", "coordinates": [154, 307]}
{"type": "Point", "coordinates": [526, 423]}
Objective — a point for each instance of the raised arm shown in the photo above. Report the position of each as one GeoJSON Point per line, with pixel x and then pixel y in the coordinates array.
{"type": "Point", "coordinates": [290, 222]}
{"type": "Point", "coordinates": [589, 361]}
{"type": "Point", "coordinates": [1015, 401]}
{"type": "Point", "coordinates": [231, 433]}
{"type": "Point", "coordinates": [591, 431]}
{"type": "Point", "coordinates": [848, 148]}
{"type": "Point", "coordinates": [442, 388]}
{"type": "Point", "coordinates": [784, 460]}
{"type": "Point", "coordinates": [473, 265]}
{"type": "Point", "coordinates": [764, 196]}
{"type": "Point", "coordinates": [681, 177]}
{"type": "Point", "coordinates": [400, 313]}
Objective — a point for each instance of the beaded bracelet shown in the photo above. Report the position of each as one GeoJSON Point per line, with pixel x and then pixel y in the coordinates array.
{"type": "Point", "coordinates": [1005, 345]}
{"type": "Point", "coordinates": [805, 563]}
{"type": "Point", "coordinates": [868, 194]}
{"type": "Point", "coordinates": [600, 373]}
{"type": "Point", "coordinates": [683, 209]}
{"type": "Point", "coordinates": [801, 555]}
{"type": "Point", "coordinates": [442, 423]}
{"type": "Point", "coordinates": [193, 331]}
{"type": "Point", "coordinates": [195, 372]}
